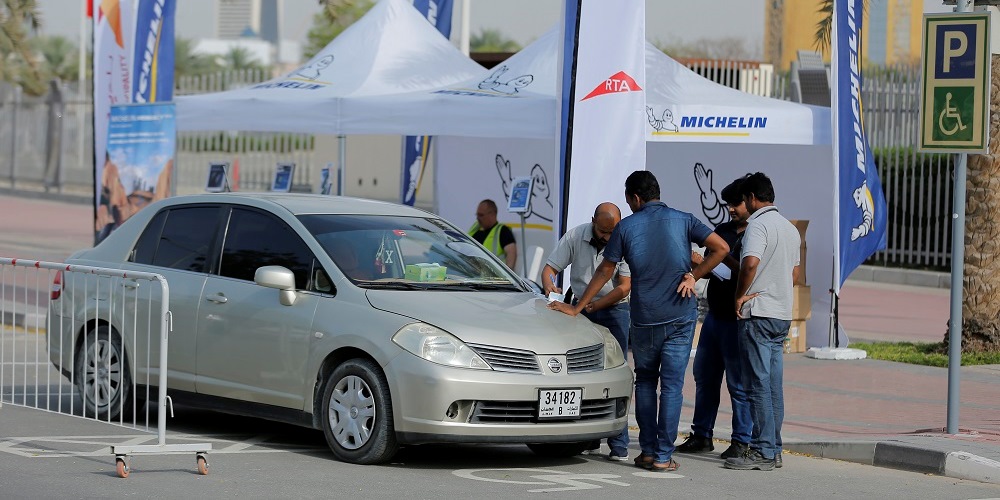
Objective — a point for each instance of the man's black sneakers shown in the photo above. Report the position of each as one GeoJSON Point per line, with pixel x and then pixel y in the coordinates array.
{"type": "Point", "coordinates": [735, 449]}
{"type": "Point", "coordinates": [696, 444]}
{"type": "Point", "coordinates": [751, 460]}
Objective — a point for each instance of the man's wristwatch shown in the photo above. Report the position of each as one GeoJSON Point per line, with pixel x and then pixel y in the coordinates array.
{"type": "Point", "coordinates": [689, 273]}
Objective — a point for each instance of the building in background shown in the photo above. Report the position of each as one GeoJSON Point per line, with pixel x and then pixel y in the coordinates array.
{"type": "Point", "coordinates": [254, 25]}
{"type": "Point", "coordinates": [891, 32]}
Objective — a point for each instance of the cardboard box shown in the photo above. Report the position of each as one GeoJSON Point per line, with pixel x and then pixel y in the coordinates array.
{"type": "Point", "coordinates": [797, 336]}
{"type": "Point", "coordinates": [801, 302]}
{"type": "Point", "coordinates": [425, 272]}
{"type": "Point", "coordinates": [801, 225]}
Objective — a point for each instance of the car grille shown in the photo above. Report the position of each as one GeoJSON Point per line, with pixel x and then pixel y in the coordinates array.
{"type": "Point", "coordinates": [585, 359]}
{"type": "Point", "coordinates": [526, 412]}
{"type": "Point", "coordinates": [506, 359]}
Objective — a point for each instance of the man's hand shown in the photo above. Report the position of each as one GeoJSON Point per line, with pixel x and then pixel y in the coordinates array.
{"type": "Point", "coordinates": [563, 308]}
{"type": "Point", "coordinates": [743, 300]}
{"type": "Point", "coordinates": [686, 288]}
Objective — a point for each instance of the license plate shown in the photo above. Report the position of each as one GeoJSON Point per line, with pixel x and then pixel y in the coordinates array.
{"type": "Point", "coordinates": [559, 403]}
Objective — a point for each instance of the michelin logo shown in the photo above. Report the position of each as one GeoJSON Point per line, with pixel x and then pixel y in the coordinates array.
{"type": "Point", "coordinates": [864, 203]}
{"type": "Point", "coordinates": [664, 122]}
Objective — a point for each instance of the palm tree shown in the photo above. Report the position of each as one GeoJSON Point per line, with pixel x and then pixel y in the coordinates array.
{"type": "Point", "coordinates": [239, 58]}
{"type": "Point", "coordinates": [60, 57]}
{"type": "Point", "coordinates": [18, 18]}
{"type": "Point", "coordinates": [189, 63]}
{"type": "Point", "coordinates": [337, 15]}
{"type": "Point", "coordinates": [492, 40]}
{"type": "Point", "coordinates": [981, 269]}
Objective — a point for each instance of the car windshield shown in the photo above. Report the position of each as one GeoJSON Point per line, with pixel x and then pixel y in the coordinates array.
{"type": "Point", "coordinates": [407, 253]}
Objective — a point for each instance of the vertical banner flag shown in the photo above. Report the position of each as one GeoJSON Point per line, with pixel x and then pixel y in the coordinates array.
{"type": "Point", "coordinates": [416, 148]}
{"type": "Point", "coordinates": [859, 206]}
{"type": "Point", "coordinates": [141, 149]}
{"type": "Point", "coordinates": [603, 118]}
{"type": "Point", "coordinates": [133, 62]}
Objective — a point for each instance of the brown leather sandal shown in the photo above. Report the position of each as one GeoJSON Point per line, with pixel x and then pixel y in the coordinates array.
{"type": "Point", "coordinates": [669, 466]}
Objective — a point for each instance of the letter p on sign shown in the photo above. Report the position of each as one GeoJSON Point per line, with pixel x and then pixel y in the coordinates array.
{"type": "Point", "coordinates": [956, 55]}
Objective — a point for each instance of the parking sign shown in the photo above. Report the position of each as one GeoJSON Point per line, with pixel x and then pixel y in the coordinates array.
{"type": "Point", "coordinates": [954, 111]}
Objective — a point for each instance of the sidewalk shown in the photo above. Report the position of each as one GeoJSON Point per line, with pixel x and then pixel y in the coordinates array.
{"type": "Point", "coordinates": [875, 412]}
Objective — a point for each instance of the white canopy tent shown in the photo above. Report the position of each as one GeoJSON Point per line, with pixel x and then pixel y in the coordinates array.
{"type": "Point", "coordinates": [391, 50]}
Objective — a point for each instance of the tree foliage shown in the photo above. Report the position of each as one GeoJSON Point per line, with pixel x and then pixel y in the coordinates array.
{"type": "Point", "coordinates": [825, 25]}
{"type": "Point", "coordinates": [189, 63]}
{"type": "Point", "coordinates": [60, 57]}
{"type": "Point", "coordinates": [240, 58]}
{"type": "Point", "coordinates": [336, 16]}
{"type": "Point", "coordinates": [492, 40]}
{"type": "Point", "coordinates": [18, 62]}
{"type": "Point", "coordinates": [730, 47]}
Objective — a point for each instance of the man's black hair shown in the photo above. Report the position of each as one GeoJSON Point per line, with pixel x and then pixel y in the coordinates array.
{"type": "Point", "coordinates": [758, 185]}
{"type": "Point", "coordinates": [642, 183]}
{"type": "Point", "coordinates": [731, 194]}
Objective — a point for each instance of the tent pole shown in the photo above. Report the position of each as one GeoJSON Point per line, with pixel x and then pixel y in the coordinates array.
{"type": "Point", "coordinates": [342, 164]}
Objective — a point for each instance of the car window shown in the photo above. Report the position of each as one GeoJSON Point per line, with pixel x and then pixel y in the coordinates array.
{"type": "Point", "coordinates": [257, 239]}
{"type": "Point", "coordinates": [185, 239]}
{"type": "Point", "coordinates": [145, 248]}
{"type": "Point", "coordinates": [406, 253]}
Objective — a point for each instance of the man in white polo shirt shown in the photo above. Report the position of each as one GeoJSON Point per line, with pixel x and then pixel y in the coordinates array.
{"type": "Point", "coordinates": [583, 248]}
{"type": "Point", "coordinates": [769, 262]}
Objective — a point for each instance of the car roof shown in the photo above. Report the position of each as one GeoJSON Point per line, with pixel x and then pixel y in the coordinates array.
{"type": "Point", "coordinates": [301, 203]}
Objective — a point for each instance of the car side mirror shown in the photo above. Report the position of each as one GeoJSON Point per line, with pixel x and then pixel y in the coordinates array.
{"type": "Point", "coordinates": [280, 278]}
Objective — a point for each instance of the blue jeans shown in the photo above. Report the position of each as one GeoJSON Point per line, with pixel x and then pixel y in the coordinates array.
{"type": "Point", "coordinates": [719, 353]}
{"type": "Point", "coordinates": [661, 355]}
{"type": "Point", "coordinates": [761, 349]}
{"type": "Point", "coordinates": [616, 319]}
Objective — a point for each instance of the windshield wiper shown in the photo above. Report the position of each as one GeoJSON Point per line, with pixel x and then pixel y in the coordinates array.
{"type": "Point", "coordinates": [391, 285]}
{"type": "Point", "coordinates": [483, 285]}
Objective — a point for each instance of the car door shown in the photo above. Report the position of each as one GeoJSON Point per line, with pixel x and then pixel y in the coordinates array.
{"type": "Point", "coordinates": [178, 244]}
{"type": "Point", "coordinates": [250, 346]}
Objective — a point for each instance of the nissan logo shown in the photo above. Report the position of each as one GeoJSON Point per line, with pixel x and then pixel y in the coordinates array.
{"type": "Point", "coordinates": [554, 365]}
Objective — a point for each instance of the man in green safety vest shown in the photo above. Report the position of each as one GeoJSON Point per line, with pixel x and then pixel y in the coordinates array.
{"type": "Point", "coordinates": [496, 237]}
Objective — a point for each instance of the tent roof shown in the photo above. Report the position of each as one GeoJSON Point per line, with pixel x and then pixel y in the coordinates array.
{"type": "Point", "coordinates": [392, 49]}
{"type": "Point", "coordinates": [393, 73]}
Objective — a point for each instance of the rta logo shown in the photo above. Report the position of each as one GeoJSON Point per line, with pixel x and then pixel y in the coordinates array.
{"type": "Point", "coordinates": [614, 84]}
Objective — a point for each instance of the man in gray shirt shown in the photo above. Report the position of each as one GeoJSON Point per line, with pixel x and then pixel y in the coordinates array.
{"type": "Point", "coordinates": [582, 249]}
{"type": "Point", "coordinates": [769, 263]}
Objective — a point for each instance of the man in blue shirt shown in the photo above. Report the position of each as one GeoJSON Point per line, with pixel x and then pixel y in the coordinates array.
{"type": "Point", "coordinates": [656, 242]}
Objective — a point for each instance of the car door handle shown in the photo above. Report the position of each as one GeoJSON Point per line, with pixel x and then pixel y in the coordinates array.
{"type": "Point", "coordinates": [218, 299]}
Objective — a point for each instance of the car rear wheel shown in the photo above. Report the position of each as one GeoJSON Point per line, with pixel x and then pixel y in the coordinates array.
{"type": "Point", "coordinates": [357, 414]}
{"type": "Point", "coordinates": [559, 450]}
{"type": "Point", "coordinates": [102, 374]}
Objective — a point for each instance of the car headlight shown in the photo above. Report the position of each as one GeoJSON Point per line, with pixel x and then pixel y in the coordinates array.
{"type": "Point", "coordinates": [613, 355]}
{"type": "Point", "coordinates": [438, 346]}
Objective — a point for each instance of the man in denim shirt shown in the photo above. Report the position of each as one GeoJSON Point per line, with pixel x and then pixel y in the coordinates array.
{"type": "Point", "coordinates": [656, 242]}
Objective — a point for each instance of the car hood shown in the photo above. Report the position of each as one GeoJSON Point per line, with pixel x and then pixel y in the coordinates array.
{"type": "Point", "coordinates": [505, 319]}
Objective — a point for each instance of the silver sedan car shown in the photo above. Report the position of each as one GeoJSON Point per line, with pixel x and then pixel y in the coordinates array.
{"type": "Point", "coordinates": [380, 324]}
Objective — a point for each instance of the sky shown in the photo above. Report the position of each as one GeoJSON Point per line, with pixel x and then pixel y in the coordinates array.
{"type": "Point", "coordinates": [520, 20]}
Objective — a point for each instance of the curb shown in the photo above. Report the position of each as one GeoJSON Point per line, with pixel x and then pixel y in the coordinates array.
{"type": "Point", "coordinates": [895, 455]}
{"type": "Point", "coordinates": [22, 320]}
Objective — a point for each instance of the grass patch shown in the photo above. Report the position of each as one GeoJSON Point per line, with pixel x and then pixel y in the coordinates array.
{"type": "Point", "coordinates": [923, 353]}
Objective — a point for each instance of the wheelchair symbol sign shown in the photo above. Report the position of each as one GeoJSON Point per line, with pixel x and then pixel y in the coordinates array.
{"type": "Point", "coordinates": [952, 113]}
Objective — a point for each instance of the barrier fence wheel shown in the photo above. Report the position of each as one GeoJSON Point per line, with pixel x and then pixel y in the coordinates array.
{"type": "Point", "coordinates": [122, 467]}
{"type": "Point", "coordinates": [202, 465]}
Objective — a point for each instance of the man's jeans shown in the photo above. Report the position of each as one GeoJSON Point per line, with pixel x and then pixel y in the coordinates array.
{"type": "Point", "coordinates": [661, 355]}
{"type": "Point", "coordinates": [616, 319]}
{"type": "Point", "coordinates": [719, 353]}
{"type": "Point", "coordinates": [761, 347]}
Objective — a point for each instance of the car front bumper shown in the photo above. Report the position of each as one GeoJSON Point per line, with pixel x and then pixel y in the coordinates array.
{"type": "Point", "coordinates": [439, 404]}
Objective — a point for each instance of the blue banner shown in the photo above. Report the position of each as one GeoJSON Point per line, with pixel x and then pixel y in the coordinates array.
{"type": "Point", "coordinates": [153, 61]}
{"type": "Point", "coordinates": [861, 207]}
{"type": "Point", "coordinates": [416, 148]}
{"type": "Point", "coordinates": [138, 169]}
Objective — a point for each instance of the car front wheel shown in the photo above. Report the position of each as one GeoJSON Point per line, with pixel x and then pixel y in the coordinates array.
{"type": "Point", "coordinates": [357, 414]}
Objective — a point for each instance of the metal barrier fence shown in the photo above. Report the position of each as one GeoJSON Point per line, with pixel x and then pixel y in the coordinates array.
{"type": "Point", "coordinates": [88, 342]}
